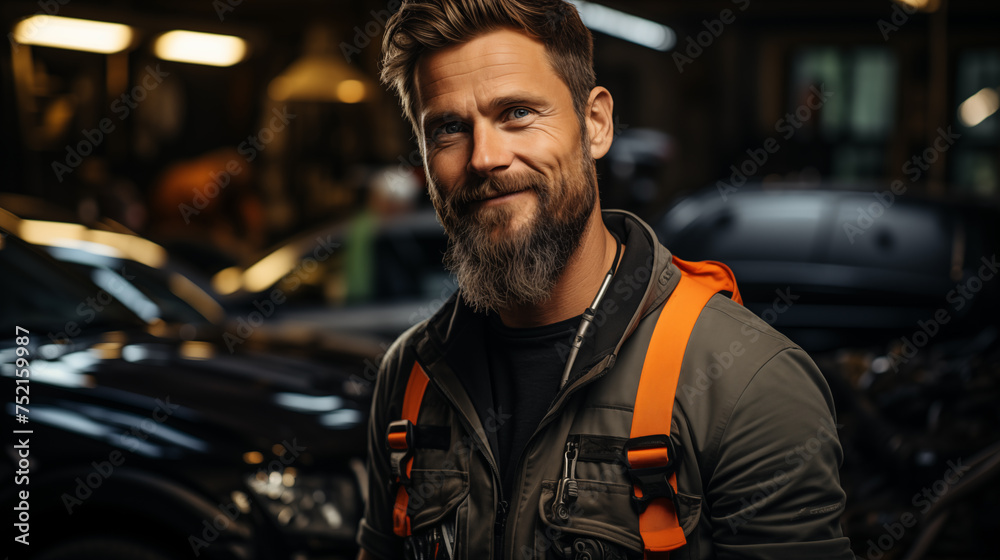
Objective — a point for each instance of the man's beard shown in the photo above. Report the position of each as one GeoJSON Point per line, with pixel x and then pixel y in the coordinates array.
{"type": "Point", "coordinates": [514, 268]}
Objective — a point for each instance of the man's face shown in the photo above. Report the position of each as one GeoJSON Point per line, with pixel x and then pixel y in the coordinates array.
{"type": "Point", "coordinates": [509, 168]}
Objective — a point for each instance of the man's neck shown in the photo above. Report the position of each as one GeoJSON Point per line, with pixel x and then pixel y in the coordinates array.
{"type": "Point", "coordinates": [577, 285]}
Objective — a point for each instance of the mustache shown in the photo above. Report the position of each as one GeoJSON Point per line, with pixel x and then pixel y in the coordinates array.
{"type": "Point", "coordinates": [498, 185]}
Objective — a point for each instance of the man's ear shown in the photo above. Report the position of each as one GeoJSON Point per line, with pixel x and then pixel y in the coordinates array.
{"type": "Point", "coordinates": [599, 120]}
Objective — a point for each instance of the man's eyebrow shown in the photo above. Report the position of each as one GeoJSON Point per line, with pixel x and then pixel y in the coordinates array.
{"type": "Point", "coordinates": [432, 118]}
{"type": "Point", "coordinates": [516, 99]}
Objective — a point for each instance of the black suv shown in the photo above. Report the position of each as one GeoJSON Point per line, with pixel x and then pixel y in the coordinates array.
{"type": "Point", "coordinates": [130, 442]}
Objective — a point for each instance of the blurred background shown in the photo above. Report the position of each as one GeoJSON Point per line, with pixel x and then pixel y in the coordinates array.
{"type": "Point", "coordinates": [215, 202]}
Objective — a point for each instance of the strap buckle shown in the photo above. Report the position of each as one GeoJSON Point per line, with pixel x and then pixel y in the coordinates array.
{"type": "Point", "coordinates": [651, 461]}
{"type": "Point", "coordinates": [399, 441]}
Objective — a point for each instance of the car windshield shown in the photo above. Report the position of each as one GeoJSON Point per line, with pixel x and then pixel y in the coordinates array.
{"type": "Point", "coordinates": [40, 295]}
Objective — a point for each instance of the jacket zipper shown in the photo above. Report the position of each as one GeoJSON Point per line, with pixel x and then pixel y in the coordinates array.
{"type": "Point", "coordinates": [502, 511]}
{"type": "Point", "coordinates": [559, 402]}
{"type": "Point", "coordinates": [499, 527]}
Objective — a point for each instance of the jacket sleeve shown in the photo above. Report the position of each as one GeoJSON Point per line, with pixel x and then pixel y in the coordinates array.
{"type": "Point", "coordinates": [375, 532]}
{"type": "Point", "coordinates": [776, 492]}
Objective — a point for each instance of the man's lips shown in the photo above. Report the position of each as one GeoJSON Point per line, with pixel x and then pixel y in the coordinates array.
{"type": "Point", "coordinates": [498, 198]}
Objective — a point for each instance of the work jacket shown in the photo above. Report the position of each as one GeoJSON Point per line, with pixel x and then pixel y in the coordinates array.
{"type": "Point", "coordinates": [753, 421]}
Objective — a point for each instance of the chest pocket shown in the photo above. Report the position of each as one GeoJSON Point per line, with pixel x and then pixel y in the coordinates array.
{"type": "Point", "coordinates": [438, 490]}
{"type": "Point", "coordinates": [439, 479]}
{"type": "Point", "coordinates": [430, 464]}
{"type": "Point", "coordinates": [439, 512]}
{"type": "Point", "coordinates": [590, 513]}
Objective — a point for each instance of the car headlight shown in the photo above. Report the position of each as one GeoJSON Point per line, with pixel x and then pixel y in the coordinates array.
{"type": "Point", "coordinates": [329, 505]}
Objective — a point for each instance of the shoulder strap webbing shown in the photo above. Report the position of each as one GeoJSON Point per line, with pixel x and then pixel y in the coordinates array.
{"type": "Point", "coordinates": [400, 442]}
{"type": "Point", "coordinates": [650, 452]}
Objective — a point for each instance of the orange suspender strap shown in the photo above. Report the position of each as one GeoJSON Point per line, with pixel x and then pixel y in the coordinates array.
{"type": "Point", "coordinates": [399, 438]}
{"type": "Point", "coordinates": [652, 457]}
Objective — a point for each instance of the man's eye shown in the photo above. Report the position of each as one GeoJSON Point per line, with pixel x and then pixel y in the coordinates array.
{"type": "Point", "coordinates": [519, 113]}
{"type": "Point", "coordinates": [453, 127]}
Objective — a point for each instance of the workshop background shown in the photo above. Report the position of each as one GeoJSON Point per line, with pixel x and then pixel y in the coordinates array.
{"type": "Point", "coordinates": [214, 221]}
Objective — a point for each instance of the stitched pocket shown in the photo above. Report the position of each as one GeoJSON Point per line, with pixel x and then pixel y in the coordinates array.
{"type": "Point", "coordinates": [601, 510]}
{"type": "Point", "coordinates": [434, 494]}
{"type": "Point", "coordinates": [604, 511]}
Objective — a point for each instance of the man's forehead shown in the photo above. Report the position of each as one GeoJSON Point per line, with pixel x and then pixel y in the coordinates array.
{"type": "Point", "coordinates": [495, 59]}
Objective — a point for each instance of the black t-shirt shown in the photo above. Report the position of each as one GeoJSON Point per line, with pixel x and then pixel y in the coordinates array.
{"type": "Point", "coordinates": [525, 365]}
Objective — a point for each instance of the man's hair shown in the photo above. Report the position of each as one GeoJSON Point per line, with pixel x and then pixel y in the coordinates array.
{"type": "Point", "coordinates": [424, 26]}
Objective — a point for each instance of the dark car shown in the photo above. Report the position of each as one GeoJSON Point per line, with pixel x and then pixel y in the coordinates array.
{"type": "Point", "coordinates": [896, 297]}
{"type": "Point", "coordinates": [136, 271]}
{"type": "Point", "coordinates": [832, 267]}
{"type": "Point", "coordinates": [144, 277]}
{"type": "Point", "coordinates": [369, 280]}
{"type": "Point", "coordinates": [144, 446]}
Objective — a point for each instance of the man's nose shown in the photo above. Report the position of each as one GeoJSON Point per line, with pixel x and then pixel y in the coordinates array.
{"type": "Point", "coordinates": [490, 151]}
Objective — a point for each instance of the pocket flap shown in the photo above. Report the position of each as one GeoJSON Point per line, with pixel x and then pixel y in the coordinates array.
{"type": "Point", "coordinates": [604, 510]}
{"type": "Point", "coordinates": [434, 494]}
{"type": "Point", "coordinates": [601, 509]}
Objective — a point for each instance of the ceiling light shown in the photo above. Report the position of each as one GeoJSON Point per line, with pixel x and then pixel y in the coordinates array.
{"type": "Point", "coordinates": [200, 48]}
{"type": "Point", "coordinates": [626, 26]}
{"type": "Point", "coordinates": [319, 77]}
{"type": "Point", "coordinates": [922, 5]}
{"type": "Point", "coordinates": [979, 107]}
{"type": "Point", "coordinates": [75, 34]}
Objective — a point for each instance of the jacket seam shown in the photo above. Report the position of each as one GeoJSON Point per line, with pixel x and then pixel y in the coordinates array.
{"type": "Point", "coordinates": [782, 339]}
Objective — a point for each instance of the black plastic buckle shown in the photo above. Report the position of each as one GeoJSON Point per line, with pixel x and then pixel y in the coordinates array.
{"type": "Point", "coordinates": [654, 482]}
{"type": "Point", "coordinates": [399, 457]}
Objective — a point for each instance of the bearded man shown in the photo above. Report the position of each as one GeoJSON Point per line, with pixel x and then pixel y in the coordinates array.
{"type": "Point", "coordinates": [508, 424]}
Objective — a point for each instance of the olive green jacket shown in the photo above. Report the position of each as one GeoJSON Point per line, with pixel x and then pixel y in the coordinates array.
{"type": "Point", "coordinates": [753, 418]}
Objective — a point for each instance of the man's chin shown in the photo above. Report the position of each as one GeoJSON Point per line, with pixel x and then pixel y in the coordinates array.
{"type": "Point", "coordinates": [498, 223]}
